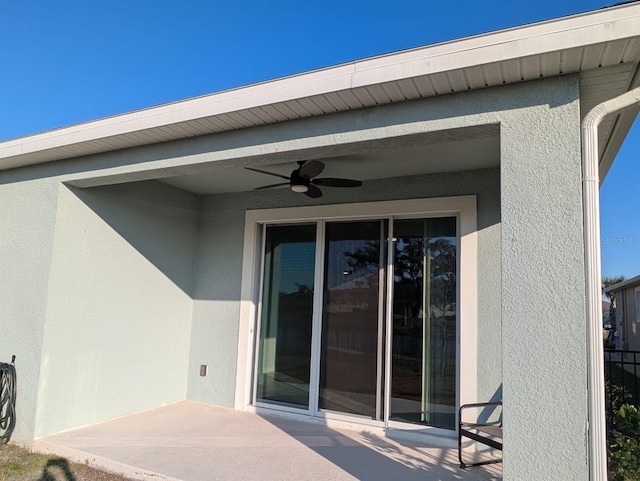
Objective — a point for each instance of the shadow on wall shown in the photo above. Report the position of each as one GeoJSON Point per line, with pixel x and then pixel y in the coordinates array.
{"type": "Point", "coordinates": [159, 221]}
{"type": "Point", "coordinates": [197, 241]}
{"type": "Point", "coordinates": [489, 414]}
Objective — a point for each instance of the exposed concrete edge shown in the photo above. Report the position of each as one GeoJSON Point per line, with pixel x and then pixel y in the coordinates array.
{"type": "Point", "coordinates": [99, 462]}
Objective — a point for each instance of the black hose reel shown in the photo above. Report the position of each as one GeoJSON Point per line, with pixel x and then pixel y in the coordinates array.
{"type": "Point", "coordinates": [7, 400]}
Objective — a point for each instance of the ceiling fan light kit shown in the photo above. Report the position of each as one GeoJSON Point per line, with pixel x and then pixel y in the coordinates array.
{"type": "Point", "coordinates": [302, 179]}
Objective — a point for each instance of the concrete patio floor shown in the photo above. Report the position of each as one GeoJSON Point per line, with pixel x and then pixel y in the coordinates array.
{"type": "Point", "coordinates": [190, 441]}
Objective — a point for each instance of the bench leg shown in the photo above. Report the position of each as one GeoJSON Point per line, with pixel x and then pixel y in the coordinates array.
{"type": "Point", "coordinates": [463, 465]}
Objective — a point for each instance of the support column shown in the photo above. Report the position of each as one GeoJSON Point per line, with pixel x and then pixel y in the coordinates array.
{"type": "Point", "coordinates": [543, 304]}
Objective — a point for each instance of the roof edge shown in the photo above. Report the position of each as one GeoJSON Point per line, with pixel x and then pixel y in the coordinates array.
{"type": "Point", "coordinates": [623, 284]}
{"type": "Point", "coordinates": [609, 24]}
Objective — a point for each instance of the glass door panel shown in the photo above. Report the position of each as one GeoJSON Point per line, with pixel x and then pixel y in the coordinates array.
{"type": "Point", "coordinates": [423, 372]}
{"type": "Point", "coordinates": [284, 358]}
{"type": "Point", "coordinates": [350, 356]}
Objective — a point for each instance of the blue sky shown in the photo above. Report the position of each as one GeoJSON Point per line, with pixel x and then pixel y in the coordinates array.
{"type": "Point", "coordinates": [63, 62]}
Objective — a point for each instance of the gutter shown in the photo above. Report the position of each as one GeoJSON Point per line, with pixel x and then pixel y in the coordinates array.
{"type": "Point", "coordinates": [591, 213]}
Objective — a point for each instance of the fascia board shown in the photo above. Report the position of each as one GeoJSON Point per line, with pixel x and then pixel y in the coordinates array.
{"type": "Point", "coordinates": [619, 132]}
{"type": "Point", "coordinates": [492, 48]}
{"type": "Point", "coordinates": [577, 31]}
{"type": "Point", "coordinates": [228, 101]}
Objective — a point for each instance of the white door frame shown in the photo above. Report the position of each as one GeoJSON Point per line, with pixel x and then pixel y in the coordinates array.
{"type": "Point", "coordinates": [462, 207]}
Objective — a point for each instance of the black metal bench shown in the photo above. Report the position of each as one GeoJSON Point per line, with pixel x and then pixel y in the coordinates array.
{"type": "Point", "coordinates": [489, 434]}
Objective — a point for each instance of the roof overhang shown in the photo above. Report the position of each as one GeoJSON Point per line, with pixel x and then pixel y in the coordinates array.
{"type": "Point", "coordinates": [602, 46]}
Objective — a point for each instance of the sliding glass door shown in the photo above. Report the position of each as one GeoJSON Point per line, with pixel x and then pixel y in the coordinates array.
{"type": "Point", "coordinates": [335, 337]}
{"type": "Point", "coordinates": [423, 365]}
{"type": "Point", "coordinates": [284, 360]}
{"type": "Point", "coordinates": [350, 356]}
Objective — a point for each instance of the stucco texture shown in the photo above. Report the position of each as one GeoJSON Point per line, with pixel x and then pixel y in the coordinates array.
{"type": "Point", "coordinates": [219, 266]}
{"type": "Point", "coordinates": [120, 293]}
{"type": "Point", "coordinates": [27, 220]}
{"type": "Point", "coordinates": [119, 305]}
{"type": "Point", "coordinates": [543, 293]}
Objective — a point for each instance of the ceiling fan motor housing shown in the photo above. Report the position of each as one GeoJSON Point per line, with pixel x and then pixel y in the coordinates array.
{"type": "Point", "coordinates": [299, 179]}
{"type": "Point", "coordinates": [305, 179]}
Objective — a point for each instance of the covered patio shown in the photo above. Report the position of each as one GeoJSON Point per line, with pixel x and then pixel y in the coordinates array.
{"type": "Point", "coordinates": [155, 265]}
{"type": "Point", "coordinates": [191, 441]}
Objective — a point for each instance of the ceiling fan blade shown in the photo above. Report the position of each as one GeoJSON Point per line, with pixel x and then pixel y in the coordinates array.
{"type": "Point", "coordinates": [268, 173]}
{"type": "Point", "coordinates": [333, 182]}
{"type": "Point", "coordinates": [311, 168]}
{"type": "Point", "coordinates": [313, 192]}
{"type": "Point", "coordinates": [271, 186]}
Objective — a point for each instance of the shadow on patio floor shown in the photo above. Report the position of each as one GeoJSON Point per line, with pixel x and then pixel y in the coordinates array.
{"type": "Point", "coordinates": [190, 441]}
{"type": "Point", "coordinates": [368, 456]}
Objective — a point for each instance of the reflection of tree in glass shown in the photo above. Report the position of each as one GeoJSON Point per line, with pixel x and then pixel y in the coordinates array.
{"type": "Point", "coordinates": [443, 295]}
{"type": "Point", "coordinates": [411, 254]}
{"type": "Point", "coordinates": [365, 257]}
{"type": "Point", "coordinates": [363, 262]}
{"type": "Point", "coordinates": [408, 267]}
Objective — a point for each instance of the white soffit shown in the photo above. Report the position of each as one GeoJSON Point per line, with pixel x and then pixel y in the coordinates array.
{"type": "Point", "coordinates": [588, 43]}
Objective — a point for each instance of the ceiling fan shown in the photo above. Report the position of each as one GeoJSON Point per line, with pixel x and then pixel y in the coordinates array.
{"type": "Point", "coordinates": [303, 179]}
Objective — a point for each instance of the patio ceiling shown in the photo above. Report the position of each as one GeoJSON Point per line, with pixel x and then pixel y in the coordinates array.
{"type": "Point", "coordinates": [469, 149]}
{"type": "Point", "coordinates": [602, 46]}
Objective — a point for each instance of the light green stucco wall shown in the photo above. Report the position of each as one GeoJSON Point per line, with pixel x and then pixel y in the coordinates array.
{"type": "Point", "coordinates": [95, 299]}
{"type": "Point", "coordinates": [119, 304]}
{"type": "Point", "coordinates": [541, 255]}
{"type": "Point", "coordinates": [531, 289]}
{"type": "Point", "coordinates": [27, 219]}
{"type": "Point", "coordinates": [219, 265]}
{"type": "Point", "coordinates": [543, 291]}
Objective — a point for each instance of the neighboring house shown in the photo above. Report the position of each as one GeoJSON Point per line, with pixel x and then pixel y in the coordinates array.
{"type": "Point", "coordinates": [135, 249]}
{"type": "Point", "coordinates": [608, 331]}
{"type": "Point", "coordinates": [606, 311]}
{"type": "Point", "coordinates": [627, 295]}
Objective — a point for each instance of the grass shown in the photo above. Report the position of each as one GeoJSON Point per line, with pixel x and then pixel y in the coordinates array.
{"type": "Point", "coordinates": [18, 464]}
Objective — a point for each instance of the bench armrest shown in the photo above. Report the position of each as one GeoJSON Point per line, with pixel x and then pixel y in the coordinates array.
{"type": "Point", "coordinates": [489, 434]}
{"type": "Point", "coordinates": [476, 405]}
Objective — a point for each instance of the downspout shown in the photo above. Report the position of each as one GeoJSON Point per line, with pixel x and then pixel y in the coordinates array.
{"type": "Point", "coordinates": [591, 213]}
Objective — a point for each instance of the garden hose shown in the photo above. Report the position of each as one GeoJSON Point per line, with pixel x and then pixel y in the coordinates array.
{"type": "Point", "coordinates": [7, 400]}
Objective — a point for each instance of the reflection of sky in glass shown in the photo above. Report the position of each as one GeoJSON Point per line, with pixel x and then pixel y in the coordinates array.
{"type": "Point", "coordinates": [401, 244]}
{"type": "Point", "coordinates": [297, 263]}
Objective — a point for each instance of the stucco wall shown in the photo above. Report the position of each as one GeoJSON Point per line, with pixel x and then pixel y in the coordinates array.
{"type": "Point", "coordinates": [119, 307]}
{"type": "Point", "coordinates": [218, 276]}
{"type": "Point", "coordinates": [543, 288]}
{"type": "Point", "coordinates": [543, 355]}
{"type": "Point", "coordinates": [542, 333]}
{"type": "Point", "coordinates": [27, 219]}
